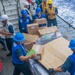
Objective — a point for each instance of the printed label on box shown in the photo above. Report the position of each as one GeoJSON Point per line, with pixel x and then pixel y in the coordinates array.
{"type": "Point", "coordinates": [32, 27]}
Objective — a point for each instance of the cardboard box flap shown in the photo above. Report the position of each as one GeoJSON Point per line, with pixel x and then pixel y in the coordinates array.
{"type": "Point", "coordinates": [31, 38]}
{"type": "Point", "coordinates": [39, 49]}
{"type": "Point", "coordinates": [55, 53]}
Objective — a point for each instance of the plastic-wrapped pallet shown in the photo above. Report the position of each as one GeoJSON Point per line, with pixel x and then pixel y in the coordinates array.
{"type": "Point", "coordinates": [44, 39]}
{"type": "Point", "coordinates": [48, 37]}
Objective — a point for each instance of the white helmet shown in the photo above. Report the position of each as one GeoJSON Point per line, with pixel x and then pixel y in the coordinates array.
{"type": "Point", "coordinates": [33, 1]}
{"type": "Point", "coordinates": [4, 17]}
{"type": "Point", "coordinates": [26, 3]}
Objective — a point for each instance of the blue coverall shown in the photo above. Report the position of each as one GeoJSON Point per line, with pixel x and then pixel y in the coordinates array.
{"type": "Point", "coordinates": [23, 24]}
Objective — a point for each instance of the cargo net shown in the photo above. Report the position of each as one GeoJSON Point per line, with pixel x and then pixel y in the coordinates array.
{"type": "Point", "coordinates": [48, 37]}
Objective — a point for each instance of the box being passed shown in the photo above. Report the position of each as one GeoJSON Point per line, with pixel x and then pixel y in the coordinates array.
{"type": "Point", "coordinates": [40, 51]}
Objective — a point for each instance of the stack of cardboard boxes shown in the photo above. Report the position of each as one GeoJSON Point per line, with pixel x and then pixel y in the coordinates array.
{"type": "Point", "coordinates": [33, 28]}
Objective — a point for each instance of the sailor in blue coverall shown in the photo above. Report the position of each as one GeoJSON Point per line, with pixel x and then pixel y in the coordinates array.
{"type": "Point", "coordinates": [39, 15]}
{"type": "Point", "coordinates": [19, 58]}
{"type": "Point", "coordinates": [69, 64]}
{"type": "Point", "coordinates": [23, 21]}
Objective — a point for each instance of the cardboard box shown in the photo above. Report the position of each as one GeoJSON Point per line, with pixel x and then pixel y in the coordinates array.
{"type": "Point", "coordinates": [33, 28]}
{"type": "Point", "coordinates": [41, 21]}
{"type": "Point", "coordinates": [30, 39]}
{"type": "Point", "coordinates": [55, 53]}
{"type": "Point", "coordinates": [44, 31]}
{"type": "Point", "coordinates": [47, 30]}
{"type": "Point", "coordinates": [40, 51]}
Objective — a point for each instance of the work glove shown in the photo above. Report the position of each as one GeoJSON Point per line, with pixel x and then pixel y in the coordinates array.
{"type": "Point", "coordinates": [51, 70]}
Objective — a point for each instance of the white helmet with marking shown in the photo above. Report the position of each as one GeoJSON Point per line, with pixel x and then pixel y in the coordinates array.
{"type": "Point", "coordinates": [4, 17]}
{"type": "Point", "coordinates": [26, 3]}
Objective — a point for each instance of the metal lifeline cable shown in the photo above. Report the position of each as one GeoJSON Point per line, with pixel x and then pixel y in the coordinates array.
{"type": "Point", "coordinates": [3, 6]}
{"type": "Point", "coordinates": [66, 22]}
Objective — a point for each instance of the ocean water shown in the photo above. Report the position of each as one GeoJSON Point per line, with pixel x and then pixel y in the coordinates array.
{"type": "Point", "coordinates": [66, 10]}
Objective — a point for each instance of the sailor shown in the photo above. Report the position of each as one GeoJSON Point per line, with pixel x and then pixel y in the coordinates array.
{"type": "Point", "coordinates": [44, 6]}
{"type": "Point", "coordinates": [39, 15]}
{"type": "Point", "coordinates": [33, 7]}
{"type": "Point", "coordinates": [69, 64]}
{"type": "Point", "coordinates": [51, 13]}
{"type": "Point", "coordinates": [8, 31]}
{"type": "Point", "coordinates": [26, 7]}
{"type": "Point", "coordinates": [24, 20]}
{"type": "Point", "coordinates": [39, 2]}
{"type": "Point", "coordinates": [19, 58]}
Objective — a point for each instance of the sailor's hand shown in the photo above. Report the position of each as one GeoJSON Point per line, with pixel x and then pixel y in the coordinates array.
{"type": "Point", "coordinates": [33, 56]}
